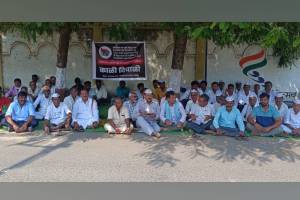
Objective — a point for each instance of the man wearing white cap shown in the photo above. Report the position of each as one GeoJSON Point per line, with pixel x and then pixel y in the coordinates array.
{"type": "Point", "coordinates": [43, 101]}
{"type": "Point", "coordinates": [188, 93]}
{"type": "Point", "coordinates": [212, 93]}
{"type": "Point", "coordinates": [172, 113]}
{"type": "Point", "coordinates": [147, 113]}
{"type": "Point", "coordinates": [200, 116]}
{"type": "Point", "coordinates": [118, 119]}
{"type": "Point", "coordinates": [292, 119]}
{"type": "Point", "coordinates": [247, 110]}
{"type": "Point", "coordinates": [265, 120]}
{"type": "Point", "coordinates": [193, 102]}
{"type": "Point", "coordinates": [164, 98]}
{"type": "Point", "coordinates": [85, 112]}
{"type": "Point", "coordinates": [226, 119]}
{"type": "Point", "coordinates": [58, 116]}
{"type": "Point", "coordinates": [280, 105]}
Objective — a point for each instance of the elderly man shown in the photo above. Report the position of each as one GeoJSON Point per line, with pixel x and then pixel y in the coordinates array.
{"type": "Point", "coordinates": [147, 113]}
{"type": "Point", "coordinates": [188, 93]}
{"type": "Point", "coordinates": [43, 101]}
{"type": "Point", "coordinates": [70, 100]}
{"type": "Point", "coordinates": [200, 116]}
{"type": "Point", "coordinates": [265, 120]}
{"type": "Point", "coordinates": [85, 112]}
{"type": "Point", "coordinates": [226, 119]}
{"type": "Point", "coordinates": [131, 105]}
{"type": "Point", "coordinates": [193, 102]}
{"type": "Point", "coordinates": [118, 119]}
{"type": "Point", "coordinates": [172, 113]}
{"type": "Point", "coordinates": [58, 116]}
{"type": "Point", "coordinates": [291, 123]}
{"type": "Point", "coordinates": [280, 105]}
{"type": "Point", "coordinates": [247, 110]}
{"type": "Point", "coordinates": [19, 116]}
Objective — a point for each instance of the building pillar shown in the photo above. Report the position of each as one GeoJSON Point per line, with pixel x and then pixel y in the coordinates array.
{"type": "Point", "coordinates": [97, 32]}
{"type": "Point", "coordinates": [200, 71]}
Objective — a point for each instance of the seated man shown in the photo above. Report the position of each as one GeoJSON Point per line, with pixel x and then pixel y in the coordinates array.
{"type": "Point", "coordinates": [247, 110]}
{"type": "Point", "coordinates": [140, 89]}
{"type": "Point", "coordinates": [191, 103]}
{"type": "Point", "coordinates": [160, 91]}
{"type": "Point", "coordinates": [28, 98]}
{"type": "Point", "coordinates": [292, 120]}
{"type": "Point", "coordinates": [226, 119]}
{"type": "Point", "coordinates": [172, 113]}
{"type": "Point", "coordinates": [15, 89]}
{"type": "Point", "coordinates": [280, 105]}
{"type": "Point", "coordinates": [122, 91]}
{"type": "Point", "coordinates": [70, 100]}
{"type": "Point", "coordinates": [100, 92]}
{"type": "Point", "coordinates": [130, 105]}
{"type": "Point", "coordinates": [265, 120]}
{"type": "Point", "coordinates": [58, 116]}
{"type": "Point", "coordinates": [118, 119]}
{"type": "Point", "coordinates": [43, 101]}
{"type": "Point", "coordinates": [19, 116]}
{"type": "Point", "coordinates": [85, 112]}
{"type": "Point", "coordinates": [220, 101]}
{"type": "Point", "coordinates": [201, 115]}
{"type": "Point", "coordinates": [33, 90]}
{"type": "Point", "coordinates": [147, 113]}
{"type": "Point", "coordinates": [4, 103]}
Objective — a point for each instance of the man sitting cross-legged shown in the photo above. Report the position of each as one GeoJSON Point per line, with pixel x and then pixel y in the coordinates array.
{"type": "Point", "coordinates": [172, 112]}
{"type": "Point", "coordinates": [201, 115]}
{"type": "Point", "coordinates": [118, 119]}
{"type": "Point", "coordinates": [58, 116]}
{"type": "Point", "coordinates": [85, 112]}
{"type": "Point", "coordinates": [265, 120]}
{"type": "Point", "coordinates": [292, 120]}
{"type": "Point", "coordinates": [226, 119]}
{"type": "Point", "coordinates": [19, 116]}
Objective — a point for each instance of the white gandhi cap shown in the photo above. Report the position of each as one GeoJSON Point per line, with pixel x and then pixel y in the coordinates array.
{"type": "Point", "coordinates": [148, 91]}
{"type": "Point", "coordinates": [297, 101]}
{"type": "Point", "coordinates": [229, 98]}
{"type": "Point", "coordinates": [55, 95]}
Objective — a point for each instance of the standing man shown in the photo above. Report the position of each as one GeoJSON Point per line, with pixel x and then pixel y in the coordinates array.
{"type": "Point", "coordinates": [58, 116]}
{"type": "Point", "coordinates": [85, 112]}
{"type": "Point", "coordinates": [147, 113]}
{"type": "Point", "coordinates": [265, 120]}
{"type": "Point", "coordinates": [172, 113]}
{"type": "Point", "coordinates": [19, 116]}
{"type": "Point", "coordinates": [43, 101]}
{"type": "Point", "coordinates": [226, 119]}
{"type": "Point", "coordinates": [118, 119]}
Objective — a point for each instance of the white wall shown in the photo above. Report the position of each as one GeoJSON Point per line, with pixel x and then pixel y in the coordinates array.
{"type": "Point", "coordinates": [22, 59]}
{"type": "Point", "coordinates": [223, 64]}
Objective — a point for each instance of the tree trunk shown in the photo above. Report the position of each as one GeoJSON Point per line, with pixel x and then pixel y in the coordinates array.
{"type": "Point", "coordinates": [177, 62]}
{"type": "Point", "coordinates": [62, 56]}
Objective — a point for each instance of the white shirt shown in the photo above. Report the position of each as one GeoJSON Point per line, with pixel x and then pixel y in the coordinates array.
{"type": "Point", "coordinates": [247, 110]}
{"type": "Point", "coordinates": [118, 117]}
{"type": "Point", "coordinates": [101, 93]}
{"type": "Point", "coordinates": [43, 102]}
{"type": "Point", "coordinates": [212, 96]}
{"type": "Point", "coordinates": [292, 118]}
{"type": "Point", "coordinates": [172, 109]}
{"type": "Point", "coordinates": [243, 97]}
{"type": "Point", "coordinates": [69, 101]}
{"type": "Point", "coordinates": [35, 93]}
{"type": "Point", "coordinates": [57, 115]}
{"type": "Point", "coordinates": [28, 98]}
{"type": "Point", "coordinates": [189, 105]}
{"type": "Point", "coordinates": [85, 111]}
{"type": "Point", "coordinates": [201, 112]}
{"type": "Point", "coordinates": [234, 96]}
{"type": "Point", "coordinates": [215, 108]}
{"type": "Point", "coordinates": [187, 94]}
{"type": "Point", "coordinates": [272, 97]}
{"type": "Point", "coordinates": [283, 109]}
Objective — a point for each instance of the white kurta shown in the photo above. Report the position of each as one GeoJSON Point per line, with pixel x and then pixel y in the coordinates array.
{"type": "Point", "coordinates": [292, 119]}
{"type": "Point", "coordinates": [247, 110]}
{"type": "Point", "coordinates": [57, 115]}
{"type": "Point", "coordinates": [283, 109]}
{"type": "Point", "coordinates": [44, 103]}
{"type": "Point", "coordinates": [173, 115]}
{"type": "Point", "coordinates": [212, 96]}
{"type": "Point", "coordinates": [85, 113]}
{"type": "Point", "coordinates": [189, 105]}
{"type": "Point", "coordinates": [69, 101]}
{"type": "Point", "coordinates": [118, 117]}
{"type": "Point", "coordinates": [243, 97]}
{"type": "Point", "coordinates": [201, 112]}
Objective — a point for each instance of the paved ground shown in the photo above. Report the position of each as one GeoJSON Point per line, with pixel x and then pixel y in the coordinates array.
{"type": "Point", "coordinates": [98, 157]}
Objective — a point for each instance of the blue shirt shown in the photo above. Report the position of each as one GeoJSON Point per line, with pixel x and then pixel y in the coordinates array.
{"type": "Point", "coordinates": [19, 113]}
{"type": "Point", "coordinates": [265, 118]}
{"type": "Point", "coordinates": [228, 119]}
{"type": "Point", "coordinates": [122, 92]}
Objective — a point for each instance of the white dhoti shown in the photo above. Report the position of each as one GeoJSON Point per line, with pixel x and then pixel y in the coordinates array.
{"type": "Point", "coordinates": [84, 122]}
{"type": "Point", "coordinates": [122, 128]}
